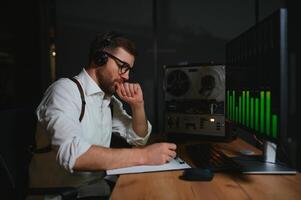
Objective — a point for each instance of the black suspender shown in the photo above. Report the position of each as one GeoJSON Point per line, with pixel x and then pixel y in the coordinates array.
{"type": "Point", "coordinates": [82, 96]}
{"type": "Point", "coordinates": [111, 106]}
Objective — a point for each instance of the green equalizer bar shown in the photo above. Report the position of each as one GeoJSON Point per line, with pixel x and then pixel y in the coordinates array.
{"type": "Point", "coordinates": [253, 112]}
{"type": "Point", "coordinates": [274, 126]}
{"type": "Point", "coordinates": [268, 113]}
{"type": "Point", "coordinates": [239, 110]}
{"type": "Point", "coordinates": [248, 108]}
{"type": "Point", "coordinates": [243, 107]}
{"type": "Point", "coordinates": [228, 105]}
{"type": "Point", "coordinates": [262, 111]}
{"type": "Point", "coordinates": [256, 123]}
{"type": "Point", "coordinates": [233, 104]}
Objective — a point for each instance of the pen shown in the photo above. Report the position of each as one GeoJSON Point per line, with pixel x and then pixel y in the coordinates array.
{"type": "Point", "coordinates": [177, 158]}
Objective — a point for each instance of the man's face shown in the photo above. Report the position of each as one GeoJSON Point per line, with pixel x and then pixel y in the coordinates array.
{"type": "Point", "coordinates": [114, 71]}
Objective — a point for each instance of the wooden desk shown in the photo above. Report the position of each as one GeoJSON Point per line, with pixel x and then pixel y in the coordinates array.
{"type": "Point", "coordinates": [167, 185]}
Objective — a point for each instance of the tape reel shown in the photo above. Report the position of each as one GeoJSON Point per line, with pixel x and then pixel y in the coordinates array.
{"type": "Point", "coordinates": [195, 82]}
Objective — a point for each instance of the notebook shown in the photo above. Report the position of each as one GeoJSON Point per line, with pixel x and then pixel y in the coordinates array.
{"type": "Point", "coordinates": [175, 164]}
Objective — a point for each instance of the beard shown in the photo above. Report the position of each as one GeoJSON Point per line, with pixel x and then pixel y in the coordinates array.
{"type": "Point", "coordinates": [106, 82]}
{"type": "Point", "coordinates": [108, 86]}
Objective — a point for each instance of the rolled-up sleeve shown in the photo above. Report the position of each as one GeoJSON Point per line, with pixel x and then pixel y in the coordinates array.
{"type": "Point", "coordinates": [122, 123]}
{"type": "Point", "coordinates": [58, 114]}
{"type": "Point", "coordinates": [70, 150]}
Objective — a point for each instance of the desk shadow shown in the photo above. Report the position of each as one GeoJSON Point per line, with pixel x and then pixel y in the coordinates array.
{"type": "Point", "coordinates": [238, 176]}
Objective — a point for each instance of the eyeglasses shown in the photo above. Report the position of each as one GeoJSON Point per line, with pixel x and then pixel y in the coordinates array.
{"type": "Point", "coordinates": [123, 66]}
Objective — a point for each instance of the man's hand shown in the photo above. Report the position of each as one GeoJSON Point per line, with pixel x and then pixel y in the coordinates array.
{"type": "Point", "coordinates": [131, 93]}
{"type": "Point", "coordinates": [159, 153]}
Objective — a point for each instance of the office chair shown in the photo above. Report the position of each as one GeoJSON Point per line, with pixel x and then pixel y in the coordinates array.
{"type": "Point", "coordinates": [17, 141]}
{"type": "Point", "coordinates": [14, 190]}
{"type": "Point", "coordinates": [17, 144]}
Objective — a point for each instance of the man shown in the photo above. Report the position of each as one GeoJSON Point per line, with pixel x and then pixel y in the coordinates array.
{"type": "Point", "coordinates": [80, 133]}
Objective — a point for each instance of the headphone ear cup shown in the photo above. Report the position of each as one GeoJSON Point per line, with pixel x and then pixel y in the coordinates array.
{"type": "Point", "coordinates": [100, 58]}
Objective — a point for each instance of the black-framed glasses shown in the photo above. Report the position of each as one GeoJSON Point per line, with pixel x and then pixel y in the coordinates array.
{"type": "Point", "coordinates": [123, 67]}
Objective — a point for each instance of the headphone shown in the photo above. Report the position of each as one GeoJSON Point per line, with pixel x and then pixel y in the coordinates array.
{"type": "Point", "coordinates": [100, 57]}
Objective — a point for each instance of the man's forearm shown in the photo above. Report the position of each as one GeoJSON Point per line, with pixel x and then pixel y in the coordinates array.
{"type": "Point", "coordinates": [102, 158]}
{"type": "Point", "coordinates": [139, 120]}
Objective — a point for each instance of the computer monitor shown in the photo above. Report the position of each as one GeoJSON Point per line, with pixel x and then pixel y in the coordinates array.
{"type": "Point", "coordinates": [257, 91]}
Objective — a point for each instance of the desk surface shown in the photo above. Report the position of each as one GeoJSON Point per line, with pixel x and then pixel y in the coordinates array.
{"type": "Point", "coordinates": [167, 185]}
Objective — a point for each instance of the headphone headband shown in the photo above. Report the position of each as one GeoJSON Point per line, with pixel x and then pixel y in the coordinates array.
{"type": "Point", "coordinates": [100, 57]}
{"type": "Point", "coordinates": [108, 38]}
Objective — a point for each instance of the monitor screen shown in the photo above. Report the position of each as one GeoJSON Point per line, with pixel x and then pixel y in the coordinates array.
{"type": "Point", "coordinates": [257, 84]}
{"type": "Point", "coordinates": [256, 81]}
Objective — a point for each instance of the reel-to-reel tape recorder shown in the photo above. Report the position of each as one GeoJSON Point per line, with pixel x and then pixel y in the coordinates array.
{"type": "Point", "coordinates": [194, 98]}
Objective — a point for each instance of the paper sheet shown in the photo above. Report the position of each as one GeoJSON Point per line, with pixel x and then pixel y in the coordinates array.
{"type": "Point", "coordinates": [174, 164]}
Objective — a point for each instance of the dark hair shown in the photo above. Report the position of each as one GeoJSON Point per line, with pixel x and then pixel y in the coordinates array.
{"type": "Point", "coordinates": [110, 41]}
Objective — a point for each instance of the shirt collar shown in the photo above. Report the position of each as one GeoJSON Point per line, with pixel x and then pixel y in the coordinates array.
{"type": "Point", "coordinates": [89, 85]}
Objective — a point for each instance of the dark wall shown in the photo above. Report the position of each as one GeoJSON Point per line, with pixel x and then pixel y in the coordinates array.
{"type": "Point", "coordinates": [20, 54]}
{"type": "Point", "coordinates": [24, 62]}
{"type": "Point", "coordinates": [23, 78]}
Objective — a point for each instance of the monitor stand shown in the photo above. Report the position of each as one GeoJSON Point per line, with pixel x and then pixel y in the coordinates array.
{"type": "Point", "coordinates": [265, 164]}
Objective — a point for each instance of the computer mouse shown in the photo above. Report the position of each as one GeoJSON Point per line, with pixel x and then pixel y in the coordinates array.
{"type": "Point", "coordinates": [197, 174]}
{"type": "Point", "coordinates": [247, 152]}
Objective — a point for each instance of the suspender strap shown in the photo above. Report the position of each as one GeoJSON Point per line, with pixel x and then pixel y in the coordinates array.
{"type": "Point", "coordinates": [111, 106]}
{"type": "Point", "coordinates": [82, 96]}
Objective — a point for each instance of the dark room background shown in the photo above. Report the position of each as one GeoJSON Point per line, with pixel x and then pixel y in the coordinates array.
{"type": "Point", "coordinates": [166, 32]}
{"type": "Point", "coordinates": [44, 40]}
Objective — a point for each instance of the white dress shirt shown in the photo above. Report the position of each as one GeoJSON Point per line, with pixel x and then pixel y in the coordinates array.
{"type": "Point", "coordinates": [58, 116]}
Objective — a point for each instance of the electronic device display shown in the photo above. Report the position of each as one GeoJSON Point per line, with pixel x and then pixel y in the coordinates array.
{"type": "Point", "coordinates": [257, 88]}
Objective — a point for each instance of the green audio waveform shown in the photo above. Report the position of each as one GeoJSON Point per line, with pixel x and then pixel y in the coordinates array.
{"type": "Point", "coordinates": [253, 112]}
